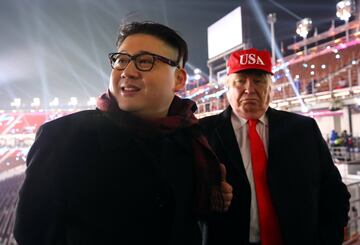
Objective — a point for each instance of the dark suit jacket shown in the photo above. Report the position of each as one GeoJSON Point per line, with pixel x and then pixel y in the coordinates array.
{"type": "Point", "coordinates": [310, 199]}
{"type": "Point", "coordinates": [92, 181]}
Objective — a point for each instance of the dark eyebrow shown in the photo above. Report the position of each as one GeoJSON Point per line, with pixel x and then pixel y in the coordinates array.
{"type": "Point", "coordinates": [137, 53]}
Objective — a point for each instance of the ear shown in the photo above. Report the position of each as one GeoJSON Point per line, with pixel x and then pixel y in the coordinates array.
{"type": "Point", "coordinates": [180, 79]}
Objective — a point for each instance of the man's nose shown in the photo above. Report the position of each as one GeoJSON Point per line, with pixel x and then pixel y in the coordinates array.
{"type": "Point", "coordinates": [249, 86]}
{"type": "Point", "coordinates": [130, 70]}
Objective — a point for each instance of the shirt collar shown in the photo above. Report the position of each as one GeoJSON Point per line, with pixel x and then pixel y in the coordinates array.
{"type": "Point", "coordinates": [239, 122]}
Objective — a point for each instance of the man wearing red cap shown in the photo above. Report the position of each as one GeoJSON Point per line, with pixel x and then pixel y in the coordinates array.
{"type": "Point", "coordinates": [286, 187]}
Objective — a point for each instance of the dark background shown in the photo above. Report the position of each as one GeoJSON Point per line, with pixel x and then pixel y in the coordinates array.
{"type": "Point", "coordinates": [59, 48]}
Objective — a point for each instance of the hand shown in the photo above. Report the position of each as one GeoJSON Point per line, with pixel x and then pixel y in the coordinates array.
{"type": "Point", "coordinates": [222, 204]}
{"type": "Point", "coordinates": [225, 188]}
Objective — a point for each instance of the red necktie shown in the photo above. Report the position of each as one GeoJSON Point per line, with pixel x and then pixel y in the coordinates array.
{"type": "Point", "coordinates": [269, 228]}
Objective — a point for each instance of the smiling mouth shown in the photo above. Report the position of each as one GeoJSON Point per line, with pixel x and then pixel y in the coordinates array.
{"type": "Point", "coordinates": [129, 90]}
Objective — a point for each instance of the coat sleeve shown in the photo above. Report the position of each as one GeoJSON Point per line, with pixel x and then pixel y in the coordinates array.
{"type": "Point", "coordinates": [334, 197]}
{"type": "Point", "coordinates": [38, 214]}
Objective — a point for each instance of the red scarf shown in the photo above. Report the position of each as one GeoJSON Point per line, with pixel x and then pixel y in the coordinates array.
{"type": "Point", "coordinates": [180, 115]}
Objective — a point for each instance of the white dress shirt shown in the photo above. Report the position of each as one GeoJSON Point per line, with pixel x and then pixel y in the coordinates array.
{"type": "Point", "coordinates": [241, 132]}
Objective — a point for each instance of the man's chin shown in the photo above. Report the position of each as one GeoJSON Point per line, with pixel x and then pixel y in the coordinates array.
{"type": "Point", "coordinates": [128, 107]}
{"type": "Point", "coordinates": [251, 112]}
{"type": "Point", "coordinates": [251, 108]}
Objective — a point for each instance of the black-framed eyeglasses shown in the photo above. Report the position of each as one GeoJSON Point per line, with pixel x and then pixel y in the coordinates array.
{"type": "Point", "coordinates": [143, 61]}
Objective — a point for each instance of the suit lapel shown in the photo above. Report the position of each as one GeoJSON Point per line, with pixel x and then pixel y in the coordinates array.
{"type": "Point", "coordinates": [225, 134]}
{"type": "Point", "coordinates": [275, 134]}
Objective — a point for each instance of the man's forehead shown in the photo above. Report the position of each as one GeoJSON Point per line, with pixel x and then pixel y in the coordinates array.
{"type": "Point", "coordinates": [244, 74]}
{"type": "Point", "coordinates": [142, 42]}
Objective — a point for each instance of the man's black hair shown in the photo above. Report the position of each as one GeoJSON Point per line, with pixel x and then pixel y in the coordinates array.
{"type": "Point", "coordinates": [162, 32]}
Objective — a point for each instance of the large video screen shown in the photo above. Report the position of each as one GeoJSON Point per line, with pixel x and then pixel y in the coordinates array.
{"type": "Point", "coordinates": [225, 34]}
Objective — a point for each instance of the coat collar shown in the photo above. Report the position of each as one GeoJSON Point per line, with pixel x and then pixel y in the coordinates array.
{"type": "Point", "coordinates": [276, 135]}
{"type": "Point", "coordinates": [226, 135]}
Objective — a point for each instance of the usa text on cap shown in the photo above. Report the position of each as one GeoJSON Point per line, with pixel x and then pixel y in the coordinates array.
{"type": "Point", "coordinates": [249, 59]}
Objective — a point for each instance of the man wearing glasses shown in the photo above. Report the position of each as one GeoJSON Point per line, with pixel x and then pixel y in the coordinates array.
{"type": "Point", "coordinates": [136, 170]}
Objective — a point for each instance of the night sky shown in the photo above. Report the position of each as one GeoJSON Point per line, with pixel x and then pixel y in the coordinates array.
{"type": "Point", "coordinates": [58, 48]}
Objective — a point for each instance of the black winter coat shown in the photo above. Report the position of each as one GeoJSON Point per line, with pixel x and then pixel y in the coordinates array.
{"type": "Point", "coordinates": [92, 181]}
{"type": "Point", "coordinates": [309, 197]}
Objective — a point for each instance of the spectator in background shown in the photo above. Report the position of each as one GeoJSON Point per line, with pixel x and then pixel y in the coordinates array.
{"type": "Point", "coordinates": [345, 137]}
{"type": "Point", "coordinates": [333, 136]}
{"type": "Point", "coordinates": [354, 217]}
{"type": "Point", "coordinates": [311, 86]}
{"type": "Point", "coordinates": [136, 170]}
{"type": "Point", "coordinates": [287, 189]}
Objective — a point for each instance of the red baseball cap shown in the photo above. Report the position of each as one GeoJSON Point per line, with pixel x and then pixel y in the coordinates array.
{"type": "Point", "coordinates": [249, 59]}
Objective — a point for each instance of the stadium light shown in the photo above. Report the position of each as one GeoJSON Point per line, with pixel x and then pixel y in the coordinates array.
{"type": "Point", "coordinates": [304, 108]}
{"type": "Point", "coordinates": [91, 101]}
{"type": "Point", "coordinates": [73, 101]}
{"type": "Point", "coordinates": [271, 19]}
{"type": "Point", "coordinates": [302, 28]}
{"type": "Point", "coordinates": [343, 11]}
{"type": "Point", "coordinates": [35, 102]}
{"type": "Point", "coordinates": [54, 102]}
{"type": "Point", "coordinates": [197, 77]}
{"type": "Point", "coordinates": [16, 103]}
